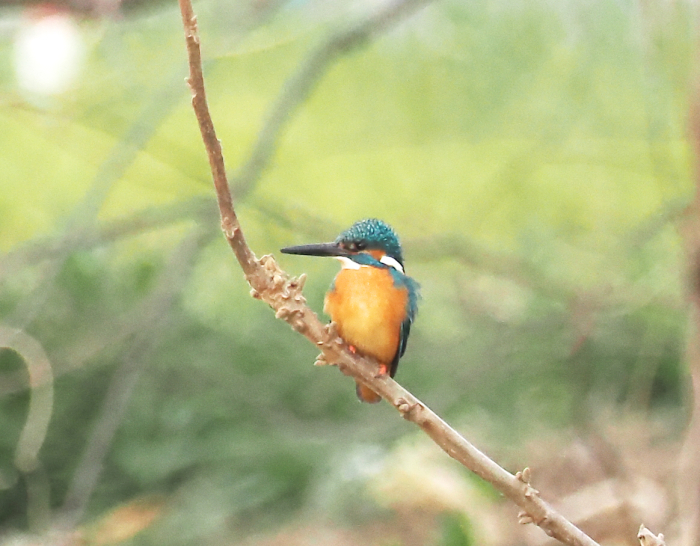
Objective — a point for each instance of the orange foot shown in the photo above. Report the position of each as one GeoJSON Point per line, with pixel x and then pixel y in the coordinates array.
{"type": "Point", "coordinates": [383, 370]}
{"type": "Point", "coordinates": [352, 349]}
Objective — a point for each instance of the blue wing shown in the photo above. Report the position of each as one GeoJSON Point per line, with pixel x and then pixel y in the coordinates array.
{"type": "Point", "coordinates": [401, 279]}
{"type": "Point", "coordinates": [403, 338]}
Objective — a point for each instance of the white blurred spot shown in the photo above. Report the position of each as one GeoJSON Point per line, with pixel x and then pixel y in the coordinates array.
{"type": "Point", "coordinates": [49, 52]}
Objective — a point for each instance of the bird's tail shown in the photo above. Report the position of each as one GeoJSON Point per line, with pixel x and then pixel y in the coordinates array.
{"type": "Point", "coordinates": [365, 394]}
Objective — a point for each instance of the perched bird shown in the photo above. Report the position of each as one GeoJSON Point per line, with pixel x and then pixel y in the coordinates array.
{"type": "Point", "coordinates": [372, 300]}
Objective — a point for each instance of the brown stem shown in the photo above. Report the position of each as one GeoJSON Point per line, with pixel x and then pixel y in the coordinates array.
{"type": "Point", "coordinates": [283, 293]}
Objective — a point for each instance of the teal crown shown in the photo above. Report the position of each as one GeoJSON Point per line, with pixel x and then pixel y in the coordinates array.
{"type": "Point", "coordinates": [372, 234]}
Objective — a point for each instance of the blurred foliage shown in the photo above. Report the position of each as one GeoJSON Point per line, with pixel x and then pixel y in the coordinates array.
{"type": "Point", "coordinates": [456, 531]}
{"type": "Point", "coordinates": [531, 154]}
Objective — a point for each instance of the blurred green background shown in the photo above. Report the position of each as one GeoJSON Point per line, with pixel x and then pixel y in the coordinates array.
{"type": "Point", "coordinates": [532, 155]}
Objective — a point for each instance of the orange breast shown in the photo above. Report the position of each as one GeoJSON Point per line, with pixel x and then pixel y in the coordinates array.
{"type": "Point", "coordinates": [368, 310]}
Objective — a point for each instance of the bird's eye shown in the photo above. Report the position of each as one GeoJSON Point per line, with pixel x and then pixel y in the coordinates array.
{"type": "Point", "coordinates": [354, 246]}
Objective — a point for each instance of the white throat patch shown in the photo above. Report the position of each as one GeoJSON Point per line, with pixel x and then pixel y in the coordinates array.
{"type": "Point", "coordinates": [348, 263]}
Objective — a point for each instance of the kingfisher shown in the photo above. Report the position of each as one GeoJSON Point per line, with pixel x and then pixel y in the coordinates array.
{"type": "Point", "coordinates": [371, 300]}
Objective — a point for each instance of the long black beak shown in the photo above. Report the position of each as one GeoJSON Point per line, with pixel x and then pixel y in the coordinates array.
{"type": "Point", "coordinates": [319, 249]}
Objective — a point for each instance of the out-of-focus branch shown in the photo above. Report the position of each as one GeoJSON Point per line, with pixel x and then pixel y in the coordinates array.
{"type": "Point", "coordinates": [153, 317]}
{"type": "Point", "coordinates": [41, 402]}
{"type": "Point", "coordinates": [689, 463]}
{"type": "Point", "coordinates": [466, 251]}
{"type": "Point", "coordinates": [426, 249]}
{"type": "Point", "coordinates": [301, 83]}
{"type": "Point", "coordinates": [82, 219]}
{"type": "Point", "coordinates": [283, 293]}
{"type": "Point", "coordinates": [196, 208]}
{"type": "Point", "coordinates": [38, 416]}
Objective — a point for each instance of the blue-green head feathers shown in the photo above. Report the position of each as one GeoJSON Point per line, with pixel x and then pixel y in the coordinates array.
{"type": "Point", "coordinates": [372, 234]}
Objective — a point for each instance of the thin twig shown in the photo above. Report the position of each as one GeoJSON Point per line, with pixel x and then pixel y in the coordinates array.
{"type": "Point", "coordinates": [283, 293]}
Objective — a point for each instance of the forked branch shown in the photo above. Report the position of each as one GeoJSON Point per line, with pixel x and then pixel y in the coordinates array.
{"type": "Point", "coordinates": [284, 294]}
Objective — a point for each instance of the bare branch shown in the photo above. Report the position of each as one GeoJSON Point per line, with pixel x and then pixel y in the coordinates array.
{"type": "Point", "coordinates": [647, 538]}
{"type": "Point", "coordinates": [283, 293]}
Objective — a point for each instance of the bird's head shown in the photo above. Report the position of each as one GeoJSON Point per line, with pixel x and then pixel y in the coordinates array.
{"type": "Point", "coordinates": [364, 243]}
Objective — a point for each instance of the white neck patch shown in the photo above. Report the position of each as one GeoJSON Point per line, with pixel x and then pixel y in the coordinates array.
{"type": "Point", "coordinates": [391, 262]}
{"type": "Point", "coordinates": [352, 264]}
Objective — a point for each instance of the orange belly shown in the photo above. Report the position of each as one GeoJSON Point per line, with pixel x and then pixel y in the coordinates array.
{"type": "Point", "coordinates": [368, 310]}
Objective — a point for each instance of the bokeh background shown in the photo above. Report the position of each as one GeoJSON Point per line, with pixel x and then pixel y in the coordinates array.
{"type": "Point", "coordinates": [536, 158]}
